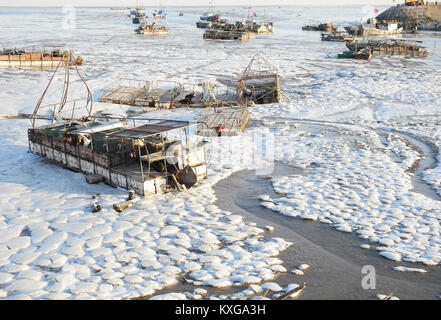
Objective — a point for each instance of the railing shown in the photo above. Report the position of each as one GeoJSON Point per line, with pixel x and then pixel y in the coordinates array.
{"type": "Point", "coordinates": [70, 110]}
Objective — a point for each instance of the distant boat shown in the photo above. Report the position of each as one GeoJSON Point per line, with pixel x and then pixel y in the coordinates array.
{"type": "Point", "coordinates": [207, 20]}
{"type": "Point", "coordinates": [337, 36]}
{"type": "Point", "coordinates": [137, 15]}
{"type": "Point", "coordinates": [159, 14]}
{"type": "Point", "coordinates": [37, 59]}
{"type": "Point", "coordinates": [152, 29]}
{"type": "Point", "coordinates": [209, 16]}
{"type": "Point", "coordinates": [373, 28]}
{"type": "Point", "coordinates": [181, 14]}
{"type": "Point", "coordinates": [385, 30]}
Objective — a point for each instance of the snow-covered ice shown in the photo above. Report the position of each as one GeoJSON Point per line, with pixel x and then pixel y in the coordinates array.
{"type": "Point", "coordinates": [358, 173]}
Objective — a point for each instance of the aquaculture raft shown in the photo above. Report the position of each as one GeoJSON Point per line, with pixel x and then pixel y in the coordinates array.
{"type": "Point", "coordinates": [37, 59]}
{"type": "Point", "coordinates": [159, 94]}
{"type": "Point", "coordinates": [150, 158]}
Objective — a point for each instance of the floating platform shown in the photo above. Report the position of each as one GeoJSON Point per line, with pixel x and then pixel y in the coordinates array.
{"type": "Point", "coordinates": [164, 95]}
{"type": "Point", "coordinates": [148, 158]}
{"type": "Point", "coordinates": [224, 121]}
{"type": "Point", "coordinates": [320, 27]}
{"type": "Point", "coordinates": [336, 37]}
{"type": "Point", "coordinates": [390, 47]}
{"type": "Point", "coordinates": [37, 59]}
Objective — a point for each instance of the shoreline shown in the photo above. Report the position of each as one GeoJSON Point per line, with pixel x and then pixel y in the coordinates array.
{"type": "Point", "coordinates": [335, 257]}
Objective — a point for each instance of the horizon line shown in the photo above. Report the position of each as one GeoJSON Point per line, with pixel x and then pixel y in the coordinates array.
{"type": "Point", "coordinates": [184, 6]}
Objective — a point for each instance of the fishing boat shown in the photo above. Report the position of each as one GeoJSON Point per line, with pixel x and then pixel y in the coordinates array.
{"type": "Point", "coordinates": [266, 27]}
{"type": "Point", "coordinates": [207, 20]}
{"type": "Point", "coordinates": [151, 29]}
{"type": "Point", "coordinates": [336, 36]}
{"type": "Point", "coordinates": [362, 54]}
{"type": "Point", "coordinates": [346, 55]}
{"type": "Point", "coordinates": [218, 25]}
{"type": "Point", "coordinates": [159, 14]}
{"type": "Point", "coordinates": [132, 13]}
{"type": "Point", "coordinates": [431, 26]}
{"type": "Point", "coordinates": [373, 28]}
{"type": "Point", "coordinates": [37, 59]}
{"type": "Point", "coordinates": [181, 14]}
{"type": "Point", "coordinates": [385, 30]}
{"type": "Point", "coordinates": [390, 47]}
{"type": "Point", "coordinates": [138, 17]}
{"type": "Point", "coordinates": [209, 16]}
{"type": "Point", "coordinates": [136, 13]}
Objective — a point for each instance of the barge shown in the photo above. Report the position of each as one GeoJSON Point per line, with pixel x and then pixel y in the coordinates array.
{"type": "Point", "coordinates": [10, 58]}
{"type": "Point", "coordinates": [146, 156]}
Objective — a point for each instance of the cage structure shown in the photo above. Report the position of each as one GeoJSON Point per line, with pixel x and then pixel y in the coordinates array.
{"type": "Point", "coordinates": [223, 121]}
{"type": "Point", "coordinates": [259, 82]}
{"type": "Point", "coordinates": [144, 155]}
{"type": "Point", "coordinates": [153, 95]}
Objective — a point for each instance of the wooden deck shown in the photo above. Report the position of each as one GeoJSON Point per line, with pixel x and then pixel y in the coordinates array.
{"type": "Point", "coordinates": [122, 95]}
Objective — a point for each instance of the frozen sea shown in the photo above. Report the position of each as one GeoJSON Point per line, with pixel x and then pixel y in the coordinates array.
{"type": "Point", "coordinates": [362, 139]}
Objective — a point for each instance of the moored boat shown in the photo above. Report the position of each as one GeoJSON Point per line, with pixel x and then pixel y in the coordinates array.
{"type": "Point", "coordinates": [336, 36]}
{"type": "Point", "coordinates": [159, 14]}
{"type": "Point", "coordinates": [241, 35]}
{"type": "Point", "coordinates": [37, 59]}
{"type": "Point", "coordinates": [373, 28]}
{"type": "Point", "coordinates": [152, 29]}
{"type": "Point", "coordinates": [321, 27]}
{"type": "Point", "coordinates": [207, 20]}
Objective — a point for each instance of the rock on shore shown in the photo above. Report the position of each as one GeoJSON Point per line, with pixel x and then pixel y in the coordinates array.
{"type": "Point", "coordinates": [410, 16]}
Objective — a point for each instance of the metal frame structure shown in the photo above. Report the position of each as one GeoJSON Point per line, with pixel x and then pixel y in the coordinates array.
{"type": "Point", "coordinates": [147, 155]}
{"type": "Point", "coordinates": [161, 94]}
{"type": "Point", "coordinates": [260, 82]}
{"type": "Point", "coordinates": [68, 56]}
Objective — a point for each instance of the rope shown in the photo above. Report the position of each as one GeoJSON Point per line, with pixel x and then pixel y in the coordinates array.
{"type": "Point", "coordinates": [67, 59]}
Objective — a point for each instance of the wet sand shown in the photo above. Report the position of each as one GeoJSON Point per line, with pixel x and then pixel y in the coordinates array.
{"type": "Point", "coordinates": [335, 257]}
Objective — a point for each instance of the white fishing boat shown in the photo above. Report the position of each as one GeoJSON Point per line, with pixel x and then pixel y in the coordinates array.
{"type": "Point", "coordinates": [372, 28]}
